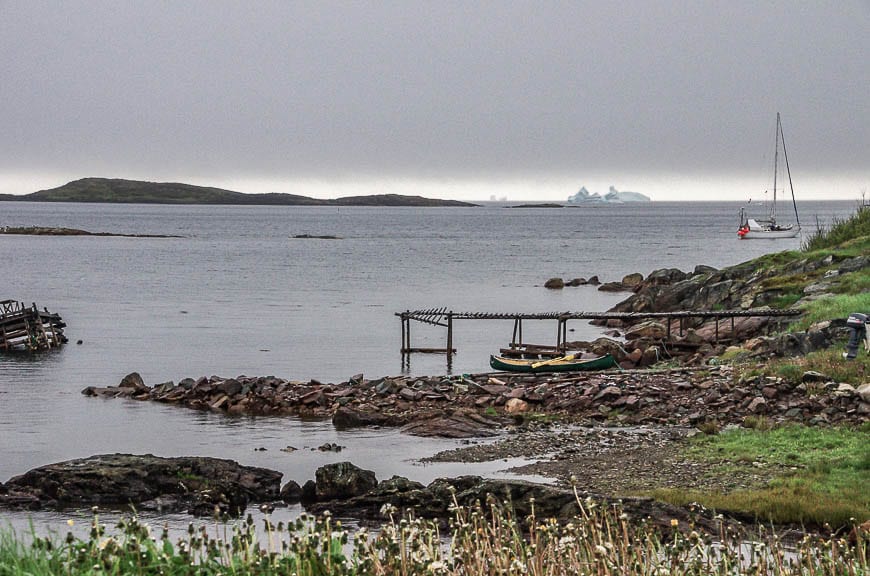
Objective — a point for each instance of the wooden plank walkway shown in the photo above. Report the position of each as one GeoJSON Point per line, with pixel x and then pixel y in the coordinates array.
{"type": "Point", "coordinates": [445, 318]}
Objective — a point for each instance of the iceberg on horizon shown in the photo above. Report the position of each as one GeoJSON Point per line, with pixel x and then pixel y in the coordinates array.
{"type": "Point", "coordinates": [613, 196]}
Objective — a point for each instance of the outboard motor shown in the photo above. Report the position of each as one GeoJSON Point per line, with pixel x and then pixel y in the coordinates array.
{"type": "Point", "coordinates": [857, 324]}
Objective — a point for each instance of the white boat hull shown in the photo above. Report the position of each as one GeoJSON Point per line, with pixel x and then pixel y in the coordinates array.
{"type": "Point", "coordinates": [790, 232]}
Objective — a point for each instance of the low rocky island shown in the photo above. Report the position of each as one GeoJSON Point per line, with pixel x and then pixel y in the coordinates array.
{"type": "Point", "coordinates": [59, 231]}
{"type": "Point", "coordinates": [116, 190]}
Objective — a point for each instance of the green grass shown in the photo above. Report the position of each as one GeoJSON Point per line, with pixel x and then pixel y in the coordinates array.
{"type": "Point", "coordinates": [18, 558]}
{"type": "Point", "coordinates": [824, 478]}
{"type": "Point", "coordinates": [785, 300]}
{"type": "Point", "coordinates": [840, 232]}
{"type": "Point", "coordinates": [853, 283]}
{"type": "Point", "coordinates": [830, 307]}
{"type": "Point", "coordinates": [829, 362]}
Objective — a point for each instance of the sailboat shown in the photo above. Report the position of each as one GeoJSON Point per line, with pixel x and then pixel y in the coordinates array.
{"type": "Point", "coordinates": [751, 228]}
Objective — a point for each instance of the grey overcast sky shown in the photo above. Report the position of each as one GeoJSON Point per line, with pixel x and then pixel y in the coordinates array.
{"type": "Point", "coordinates": [525, 100]}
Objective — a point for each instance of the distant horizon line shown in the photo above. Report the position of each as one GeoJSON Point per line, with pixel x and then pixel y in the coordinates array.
{"type": "Point", "coordinates": [529, 190]}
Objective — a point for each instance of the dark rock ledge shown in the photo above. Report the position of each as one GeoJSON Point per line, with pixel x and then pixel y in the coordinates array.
{"type": "Point", "coordinates": [435, 501]}
{"type": "Point", "coordinates": [198, 485]}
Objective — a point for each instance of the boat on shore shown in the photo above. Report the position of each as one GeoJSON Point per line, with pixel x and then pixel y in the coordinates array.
{"type": "Point", "coordinates": [751, 228]}
{"type": "Point", "coordinates": [564, 364]}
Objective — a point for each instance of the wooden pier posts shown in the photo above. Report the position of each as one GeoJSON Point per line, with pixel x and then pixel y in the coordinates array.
{"type": "Point", "coordinates": [437, 317]}
{"type": "Point", "coordinates": [443, 317]}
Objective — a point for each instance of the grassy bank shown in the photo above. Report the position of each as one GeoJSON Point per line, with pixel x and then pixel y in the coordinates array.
{"type": "Point", "coordinates": [841, 231]}
{"type": "Point", "coordinates": [846, 292]}
{"type": "Point", "coordinates": [821, 474]}
{"type": "Point", "coordinates": [598, 541]}
{"type": "Point", "coordinates": [829, 362]}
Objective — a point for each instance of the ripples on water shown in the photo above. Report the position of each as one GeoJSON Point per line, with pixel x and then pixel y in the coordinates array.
{"type": "Point", "coordinates": [238, 295]}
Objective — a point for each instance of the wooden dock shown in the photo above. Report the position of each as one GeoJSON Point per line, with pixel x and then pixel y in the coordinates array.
{"type": "Point", "coordinates": [27, 328]}
{"type": "Point", "coordinates": [445, 318]}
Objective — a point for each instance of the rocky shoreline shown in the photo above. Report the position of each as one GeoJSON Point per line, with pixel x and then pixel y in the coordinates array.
{"type": "Point", "coordinates": [601, 436]}
{"type": "Point", "coordinates": [617, 432]}
{"type": "Point", "coordinates": [479, 405]}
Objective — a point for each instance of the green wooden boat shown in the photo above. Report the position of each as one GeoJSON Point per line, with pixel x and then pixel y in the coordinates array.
{"type": "Point", "coordinates": [564, 364]}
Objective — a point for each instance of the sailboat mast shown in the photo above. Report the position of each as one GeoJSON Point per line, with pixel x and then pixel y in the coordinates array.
{"type": "Point", "coordinates": [788, 171]}
{"type": "Point", "coordinates": [775, 169]}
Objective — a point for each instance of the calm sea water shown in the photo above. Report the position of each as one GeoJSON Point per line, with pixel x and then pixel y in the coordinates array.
{"type": "Point", "coordinates": [236, 294]}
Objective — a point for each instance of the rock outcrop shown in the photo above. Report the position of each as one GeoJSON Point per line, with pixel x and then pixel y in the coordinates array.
{"type": "Point", "coordinates": [198, 485]}
{"type": "Point", "coordinates": [398, 496]}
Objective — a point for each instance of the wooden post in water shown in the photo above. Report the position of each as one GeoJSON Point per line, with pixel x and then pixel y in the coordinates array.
{"type": "Point", "coordinates": [403, 318]}
{"type": "Point", "coordinates": [449, 335]}
{"type": "Point", "coordinates": [408, 334]}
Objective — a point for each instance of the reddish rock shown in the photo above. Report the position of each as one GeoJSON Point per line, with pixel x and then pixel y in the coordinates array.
{"type": "Point", "coordinates": [757, 405]}
{"type": "Point", "coordinates": [313, 397]}
{"type": "Point", "coordinates": [608, 392]}
{"type": "Point", "coordinates": [516, 406]}
{"type": "Point", "coordinates": [496, 389]}
{"type": "Point", "coordinates": [650, 356]}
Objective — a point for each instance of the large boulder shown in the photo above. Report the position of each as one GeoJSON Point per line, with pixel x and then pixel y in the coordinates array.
{"type": "Point", "coordinates": [198, 484]}
{"type": "Point", "coordinates": [703, 269]}
{"type": "Point", "coordinates": [604, 345]}
{"type": "Point", "coordinates": [291, 492]}
{"type": "Point", "coordinates": [664, 277]}
{"type": "Point", "coordinates": [613, 287]}
{"type": "Point", "coordinates": [354, 417]}
{"type": "Point", "coordinates": [648, 329]}
{"type": "Point", "coordinates": [853, 264]}
{"type": "Point", "coordinates": [632, 280]}
{"type": "Point", "coordinates": [744, 328]}
{"type": "Point", "coordinates": [554, 284]}
{"type": "Point", "coordinates": [343, 480]}
{"type": "Point", "coordinates": [459, 423]}
{"type": "Point", "coordinates": [134, 381]}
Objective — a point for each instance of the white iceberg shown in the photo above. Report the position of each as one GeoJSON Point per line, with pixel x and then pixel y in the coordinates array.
{"type": "Point", "coordinates": [613, 196]}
